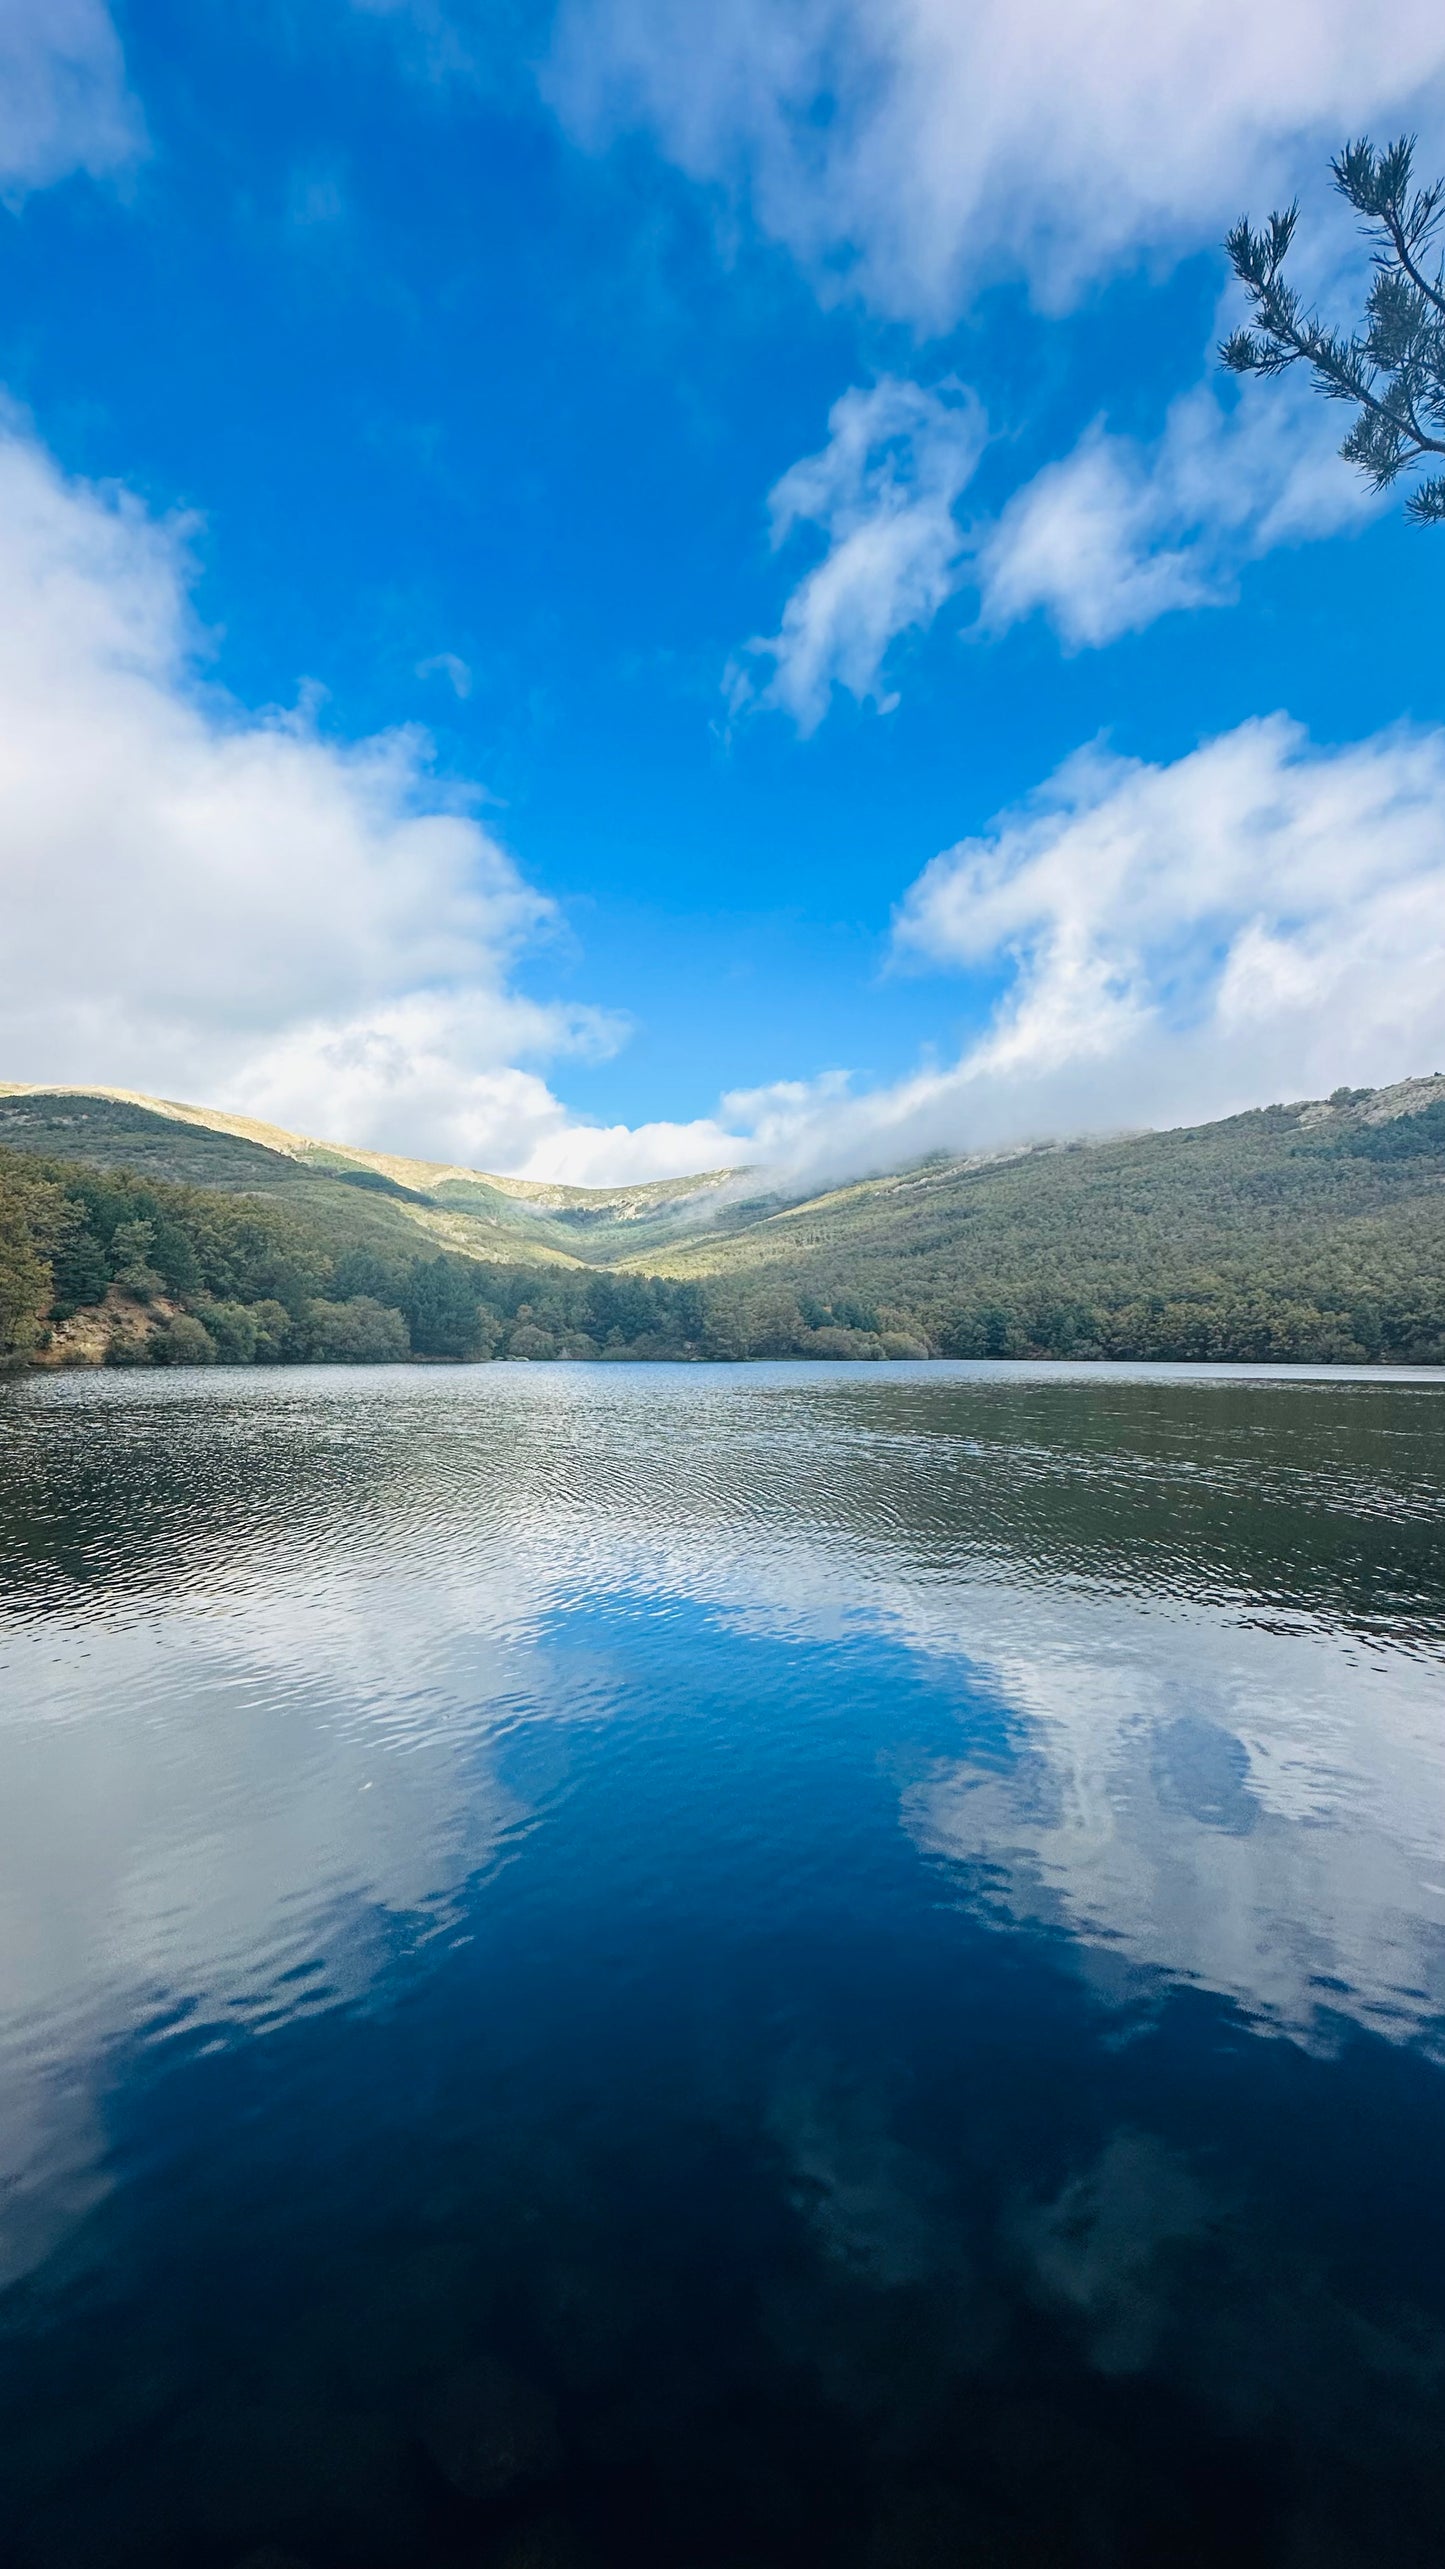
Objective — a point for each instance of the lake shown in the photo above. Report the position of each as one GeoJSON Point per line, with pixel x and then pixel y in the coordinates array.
{"type": "Point", "coordinates": [722, 1968]}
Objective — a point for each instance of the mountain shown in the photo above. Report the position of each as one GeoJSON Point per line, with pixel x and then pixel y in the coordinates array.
{"type": "Point", "coordinates": [1330, 1205]}
{"type": "Point", "coordinates": [456, 1208]}
{"type": "Point", "coordinates": [1314, 1230]}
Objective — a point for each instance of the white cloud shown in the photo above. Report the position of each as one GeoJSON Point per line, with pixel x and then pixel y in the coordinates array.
{"type": "Point", "coordinates": [1261, 919]}
{"type": "Point", "coordinates": [916, 148]}
{"type": "Point", "coordinates": [1104, 541]}
{"type": "Point", "coordinates": [1119, 532]}
{"type": "Point", "coordinates": [63, 99]}
{"type": "Point", "coordinates": [574, 1154]}
{"type": "Point", "coordinates": [882, 492]}
{"type": "Point", "coordinates": [1099, 1826]}
{"type": "Point", "coordinates": [209, 903]}
{"type": "Point", "coordinates": [425, 1072]}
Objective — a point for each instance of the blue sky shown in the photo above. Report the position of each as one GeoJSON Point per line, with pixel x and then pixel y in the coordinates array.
{"type": "Point", "coordinates": [606, 592]}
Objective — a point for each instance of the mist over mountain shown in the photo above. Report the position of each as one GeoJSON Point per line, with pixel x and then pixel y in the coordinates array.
{"type": "Point", "coordinates": [150, 1231]}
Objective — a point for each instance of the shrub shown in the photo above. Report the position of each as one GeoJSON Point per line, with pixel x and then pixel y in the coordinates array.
{"type": "Point", "coordinates": [183, 1342]}
{"type": "Point", "coordinates": [526, 1340]}
{"type": "Point", "coordinates": [128, 1347]}
{"type": "Point", "coordinates": [233, 1331]}
{"type": "Point", "coordinates": [276, 1332]}
{"type": "Point", "coordinates": [361, 1332]}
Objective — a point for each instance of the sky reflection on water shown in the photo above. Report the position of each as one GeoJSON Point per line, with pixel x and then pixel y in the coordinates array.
{"type": "Point", "coordinates": [964, 1845]}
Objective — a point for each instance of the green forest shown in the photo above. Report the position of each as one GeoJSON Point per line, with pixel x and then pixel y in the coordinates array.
{"type": "Point", "coordinates": [1301, 1233]}
{"type": "Point", "coordinates": [235, 1280]}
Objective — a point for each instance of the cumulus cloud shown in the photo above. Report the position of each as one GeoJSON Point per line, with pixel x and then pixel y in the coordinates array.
{"type": "Point", "coordinates": [1261, 919]}
{"type": "Point", "coordinates": [204, 901]}
{"type": "Point", "coordinates": [210, 903]}
{"type": "Point", "coordinates": [882, 492]}
{"type": "Point", "coordinates": [63, 99]}
{"type": "Point", "coordinates": [912, 149]}
{"type": "Point", "coordinates": [1119, 532]}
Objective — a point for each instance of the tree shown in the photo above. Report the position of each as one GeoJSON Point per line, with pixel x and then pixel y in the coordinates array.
{"type": "Point", "coordinates": [184, 1342]}
{"type": "Point", "coordinates": [80, 1266]}
{"type": "Point", "coordinates": [1394, 369]}
{"type": "Point", "coordinates": [442, 1301]}
{"type": "Point", "coordinates": [130, 1247]}
{"type": "Point", "coordinates": [359, 1332]}
{"type": "Point", "coordinates": [32, 1217]}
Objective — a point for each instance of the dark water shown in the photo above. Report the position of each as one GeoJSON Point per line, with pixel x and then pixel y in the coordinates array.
{"type": "Point", "coordinates": [719, 1969]}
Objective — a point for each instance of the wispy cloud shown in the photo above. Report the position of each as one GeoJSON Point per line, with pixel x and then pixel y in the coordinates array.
{"type": "Point", "coordinates": [882, 494]}
{"type": "Point", "coordinates": [912, 149]}
{"type": "Point", "coordinates": [1260, 919]}
{"type": "Point", "coordinates": [458, 42]}
{"type": "Point", "coordinates": [451, 666]}
{"type": "Point", "coordinates": [64, 105]}
{"type": "Point", "coordinates": [1121, 531]}
{"type": "Point", "coordinates": [1103, 541]}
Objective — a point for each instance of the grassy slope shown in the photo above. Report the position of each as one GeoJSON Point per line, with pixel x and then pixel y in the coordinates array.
{"type": "Point", "coordinates": [355, 1202]}
{"type": "Point", "coordinates": [509, 1219]}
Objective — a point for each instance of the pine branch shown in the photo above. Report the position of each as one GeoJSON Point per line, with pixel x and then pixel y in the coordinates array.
{"type": "Point", "coordinates": [1394, 372]}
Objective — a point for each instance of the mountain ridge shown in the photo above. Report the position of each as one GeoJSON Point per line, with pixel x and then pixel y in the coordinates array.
{"type": "Point", "coordinates": [1310, 1230]}
{"type": "Point", "coordinates": [427, 1175]}
{"type": "Point", "coordinates": [472, 1209]}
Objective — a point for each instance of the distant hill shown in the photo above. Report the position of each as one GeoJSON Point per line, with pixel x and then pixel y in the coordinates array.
{"type": "Point", "coordinates": [1335, 1206]}
{"type": "Point", "coordinates": [468, 1209]}
{"type": "Point", "coordinates": [1314, 1230]}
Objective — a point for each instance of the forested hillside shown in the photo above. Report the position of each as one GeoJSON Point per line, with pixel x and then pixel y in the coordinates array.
{"type": "Point", "coordinates": [109, 1266]}
{"type": "Point", "coordinates": [1313, 1231]}
{"type": "Point", "coordinates": [154, 1235]}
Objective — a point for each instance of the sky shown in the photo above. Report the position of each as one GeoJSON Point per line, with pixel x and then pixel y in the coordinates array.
{"type": "Point", "coordinates": [605, 589]}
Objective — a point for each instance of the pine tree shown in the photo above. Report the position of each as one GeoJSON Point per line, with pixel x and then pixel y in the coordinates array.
{"type": "Point", "coordinates": [1393, 369]}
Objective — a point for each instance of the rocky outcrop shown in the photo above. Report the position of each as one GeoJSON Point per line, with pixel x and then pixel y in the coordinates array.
{"type": "Point", "coordinates": [117, 1331]}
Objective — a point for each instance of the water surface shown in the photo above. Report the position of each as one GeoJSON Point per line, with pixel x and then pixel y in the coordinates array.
{"type": "Point", "coordinates": [722, 1968]}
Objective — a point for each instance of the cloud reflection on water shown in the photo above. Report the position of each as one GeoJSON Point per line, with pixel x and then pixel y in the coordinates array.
{"type": "Point", "coordinates": [265, 1638]}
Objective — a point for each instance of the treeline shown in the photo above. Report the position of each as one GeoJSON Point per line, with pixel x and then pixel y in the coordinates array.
{"type": "Point", "coordinates": [192, 1276]}
{"type": "Point", "coordinates": [1302, 1235]}
{"type": "Point", "coordinates": [134, 1270]}
{"type": "Point", "coordinates": [1219, 1323]}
